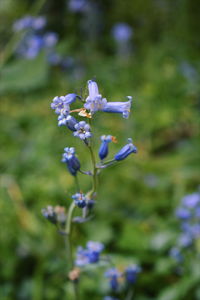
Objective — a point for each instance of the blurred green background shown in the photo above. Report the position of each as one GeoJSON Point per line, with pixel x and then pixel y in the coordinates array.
{"type": "Point", "coordinates": [134, 216]}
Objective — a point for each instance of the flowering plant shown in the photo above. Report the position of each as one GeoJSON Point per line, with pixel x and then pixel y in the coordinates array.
{"type": "Point", "coordinates": [120, 281]}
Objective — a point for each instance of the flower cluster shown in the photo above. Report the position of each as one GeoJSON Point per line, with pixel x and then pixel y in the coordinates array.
{"type": "Point", "coordinates": [34, 38]}
{"type": "Point", "coordinates": [89, 255]}
{"type": "Point", "coordinates": [188, 214]}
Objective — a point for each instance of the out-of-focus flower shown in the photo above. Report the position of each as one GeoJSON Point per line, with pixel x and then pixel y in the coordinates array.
{"type": "Point", "coordinates": [122, 32]}
{"type": "Point", "coordinates": [77, 5]}
{"type": "Point", "coordinates": [192, 200]}
{"type": "Point", "coordinates": [82, 130]}
{"type": "Point", "coordinates": [79, 200]}
{"type": "Point", "coordinates": [50, 39]}
{"type": "Point", "coordinates": [90, 254]}
{"type": "Point", "coordinates": [126, 151]}
{"type": "Point", "coordinates": [183, 213]}
{"type": "Point", "coordinates": [29, 22]}
{"type": "Point", "coordinates": [113, 275]}
{"type": "Point", "coordinates": [49, 214]}
{"type": "Point", "coordinates": [176, 254]}
{"type": "Point", "coordinates": [55, 214]}
{"type": "Point", "coordinates": [131, 273]}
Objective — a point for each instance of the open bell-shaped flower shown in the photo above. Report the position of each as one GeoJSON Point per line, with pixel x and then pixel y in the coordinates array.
{"type": "Point", "coordinates": [119, 107]}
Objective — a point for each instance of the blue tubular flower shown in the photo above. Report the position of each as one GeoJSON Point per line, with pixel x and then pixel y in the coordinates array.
{"type": "Point", "coordinates": [71, 160]}
{"type": "Point", "coordinates": [82, 130]}
{"type": "Point", "coordinates": [126, 151]}
{"type": "Point", "coordinates": [103, 150]}
{"type": "Point", "coordinates": [113, 274]}
{"type": "Point", "coordinates": [94, 101]}
{"type": "Point", "coordinates": [119, 107]}
{"type": "Point", "coordinates": [131, 273]}
{"type": "Point", "coordinates": [79, 200]}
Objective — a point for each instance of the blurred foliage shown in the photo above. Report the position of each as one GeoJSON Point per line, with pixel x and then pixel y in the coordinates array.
{"type": "Point", "coordinates": [134, 216]}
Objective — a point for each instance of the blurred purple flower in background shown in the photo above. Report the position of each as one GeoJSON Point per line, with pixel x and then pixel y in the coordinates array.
{"type": "Point", "coordinates": [77, 5]}
{"type": "Point", "coordinates": [90, 254]}
{"type": "Point", "coordinates": [188, 214]}
{"type": "Point", "coordinates": [122, 34]}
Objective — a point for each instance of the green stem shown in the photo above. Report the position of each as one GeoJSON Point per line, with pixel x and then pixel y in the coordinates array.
{"type": "Point", "coordinates": [69, 218]}
{"type": "Point", "coordinates": [94, 176]}
{"type": "Point", "coordinates": [68, 230]}
{"type": "Point", "coordinates": [77, 183]}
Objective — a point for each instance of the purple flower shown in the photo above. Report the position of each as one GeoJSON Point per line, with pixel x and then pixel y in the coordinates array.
{"type": "Point", "coordinates": [191, 200]}
{"type": "Point", "coordinates": [103, 150]}
{"type": "Point", "coordinates": [113, 275]}
{"type": "Point", "coordinates": [122, 32]}
{"type": "Point", "coordinates": [39, 23]}
{"type": "Point", "coordinates": [95, 246]}
{"type": "Point", "coordinates": [29, 22]}
{"type": "Point", "coordinates": [185, 240]}
{"type": "Point", "coordinates": [61, 105]}
{"type": "Point", "coordinates": [90, 254]}
{"type": "Point", "coordinates": [131, 273]}
{"type": "Point", "coordinates": [71, 160]}
{"type": "Point", "coordinates": [119, 107]}
{"type": "Point", "coordinates": [183, 213]}
{"type": "Point", "coordinates": [79, 200]}
{"type": "Point", "coordinates": [82, 130]}
{"type": "Point", "coordinates": [70, 122]}
{"type": "Point", "coordinates": [77, 5]}
{"type": "Point", "coordinates": [23, 23]}
{"type": "Point", "coordinates": [94, 101]}
{"type": "Point", "coordinates": [126, 151]}
{"type": "Point", "coordinates": [50, 39]}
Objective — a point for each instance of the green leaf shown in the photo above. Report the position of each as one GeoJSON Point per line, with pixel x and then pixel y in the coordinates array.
{"type": "Point", "coordinates": [23, 75]}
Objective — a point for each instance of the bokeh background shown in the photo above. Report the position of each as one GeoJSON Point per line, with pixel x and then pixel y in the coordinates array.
{"type": "Point", "coordinates": [158, 64]}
